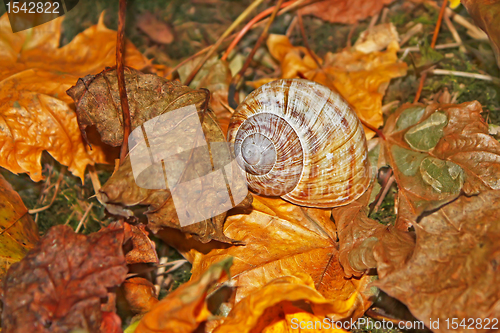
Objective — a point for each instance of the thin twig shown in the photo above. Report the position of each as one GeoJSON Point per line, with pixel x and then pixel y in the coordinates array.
{"type": "Point", "coordinates": [383, 18]}
{"type": "Point", "coordinates": [416, 29]}
{"type": "Point", "coordinates": [290, 28]}
{"type": "Point", "coordinates": [433, 44]}
{"type": "Point", "coordinates": [84, 217]}
{"type": "Point", "coordinates": [373, 21]}
{"type": "Point", "coordinates": [437, 47]}
{"type": "Point", "coordinates": [304, 40]}
{"type": "Point", "coordinates": [464, 74]}
{"type": "Point", "coordinates": [235, 81]}
{"type": "Point", "coordinates": [56, 190]}
{"type": "Point", "coordinates": [120, 55]}
{"type": "Point", "coordinates": [226, 33]}
{"type": "Point", "coordinates": [249, 25]}
{"type": "Point", "coordinates": [454, 32]}
{"type": "Point", "coordinates": [384, 193]}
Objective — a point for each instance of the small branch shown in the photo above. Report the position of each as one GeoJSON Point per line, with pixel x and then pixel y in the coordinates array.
{"type": "Point", "coordinates": [120, 52]}
{"type": "Point", "coordinates": [454, 32]}
{"type": "Point", "coordinates": [226, 33]}
{"type": "Point", "coordinates": [84, 217]}
{"type": "Point", "coordinates": [433, 44]}
{"type": "Point", "coordinates": [416, 29]}
{"type": "Point", "coordinates": [235, 81]}
{"type": "Point", "coordinates": [56, 190]}
{"type": "Point", "coordinates": [437, 47]}
{"type": "Point", "coordinates": [384, 193]}
{"type": "Point", "coordinates": [304, 40]}
{"type": "Point", "coordinates": [464, 74]}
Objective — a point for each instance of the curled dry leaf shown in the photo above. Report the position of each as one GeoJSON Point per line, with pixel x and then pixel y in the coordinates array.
{"type": "Point", "coordinates": [151, 98]}
{"type": "Point", "coordinates": [453, 272]}
{"type": "Point", "coordinates": [157, 30]}
{"type": "Point", "coordinates": [35, 114]}
{"type": "Point", "coordinates": [345, 11]}
{"type": "Point", "coordinates": [139, 294]}
{"type": "Point", "coordinates": [285, 298]}
{"type": "Point", "coordinates": [283, 240]}
{"type": "Point", "coordinates": [59, 285]}
{"type": "Point", "coordinates": [361, 78]}
{"type": "Point", "coordinates": [486, 14]}
{"type": "Point", "coordinates": [438, 152]}
{"type": "Point", "coordinates": [184, 309]}
{"type": "Point", "coordinates": [19, 233]}
{"type": "Point", "coordinates": [364, 243]}
{"type": "Point", "coordinates": [143, 248]}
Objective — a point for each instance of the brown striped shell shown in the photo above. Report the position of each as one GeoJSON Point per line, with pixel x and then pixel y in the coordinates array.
{"type": "Point", "coordinates": [299, 140]}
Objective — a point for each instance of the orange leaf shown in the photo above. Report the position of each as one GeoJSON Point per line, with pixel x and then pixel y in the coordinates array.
{"type": "Point", "coordinates": [19, 233]}
{"type": "Point", "coordinates": [185, 308]}
{"type": "Point", "coordinates": [282, 240]}
{"type": "Point", "coordinates": [259, 311]}
{"type": "Point", "coordinates": [34, 76]}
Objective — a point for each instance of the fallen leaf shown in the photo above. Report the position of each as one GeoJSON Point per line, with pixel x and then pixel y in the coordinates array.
{"type": "Point", "coordinates": [184, 309]}
{"type": "Point", "coordinates": [19, 233]}
{"type": "Point", "coordinates": [273, 307]}
{"type": "Point", "coordinates": [486, 15]}
{"type": "Point", "coordinates": [139, 294]}
{"type": "Point", "coordinates": [361, 78]}
{"type": "Point", "coordinates": [59, 285]}
{"type": "Point", "coordinates": [453, 272]}
{"type": "Point", "coordinates": [151, 98]}
{"type": "Point", "coordinates": [35, 114]}
{"type": "Point", "coordinates": [283, 240]}
{"type": "Point", "coordinates": [365, 243]}
{"type": "Point", "coordinates": [345, 11]}
{"type": "Point", "coordinates": [438, 151]}
{"type": "Point", "coordinates": [111, 323]}
{"type": "Point", "coordinates": [217, 82]}
{"type": "Point", "coordinates": [143, 248]}
{"type": "Point", "coordinates": [158, 31]}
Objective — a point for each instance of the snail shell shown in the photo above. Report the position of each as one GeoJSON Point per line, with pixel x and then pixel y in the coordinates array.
{"type": "Point", "coordinates": [299, 140]}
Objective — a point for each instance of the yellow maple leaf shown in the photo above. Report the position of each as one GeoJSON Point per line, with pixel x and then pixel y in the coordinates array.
{"type": "Point", "coordinates": [35, 112]}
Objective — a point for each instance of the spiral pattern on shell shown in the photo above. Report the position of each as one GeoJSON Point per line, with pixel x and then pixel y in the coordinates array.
{"type": "Point", "coordinates": [299, 140]}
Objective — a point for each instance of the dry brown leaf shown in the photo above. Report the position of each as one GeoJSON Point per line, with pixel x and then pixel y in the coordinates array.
{"type": "Point", "coordinates": [139, 294]}
{"type": "Point", "coordinates": [217, 82]}
{"type": "Point", "coordinates": [151, 97]}
{"type": "Point", "coordinates": [143, 248]}
{"type": "Point", "coordinates": [485, 14]}
{"type": "Point", "coordinates": [158, 31]}
{"type": "Point", "coordinates": [345, 11]}
{"type": "Point", "coordinates": [18, 231]}
{"type": "Point", "coordinates": [184, 309]}
{"type": "Point", "coordinates": [34, 111]}
{"type": "Point", "coordinates": [454, 271]}
{"type": "Point", "coordinates": [59, 285]}
{"type": "Point", "coordinates": [364, 243]}
{"type": "Point", "coordinates": [283, 240]}
{"type": "Point", "coordinates": [361, 78]}
{"type": "Point", "coordinates": [439, 151]}
{"type": "Point", "coordinates": [273, 308]}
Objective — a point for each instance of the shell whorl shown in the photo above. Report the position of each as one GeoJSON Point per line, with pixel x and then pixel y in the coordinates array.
{"type": "Point", "coordinates": [299, 140]}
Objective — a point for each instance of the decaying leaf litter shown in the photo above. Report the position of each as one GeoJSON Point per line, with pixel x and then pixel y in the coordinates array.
{"type": "Point", "coordinates": [429, 226]}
